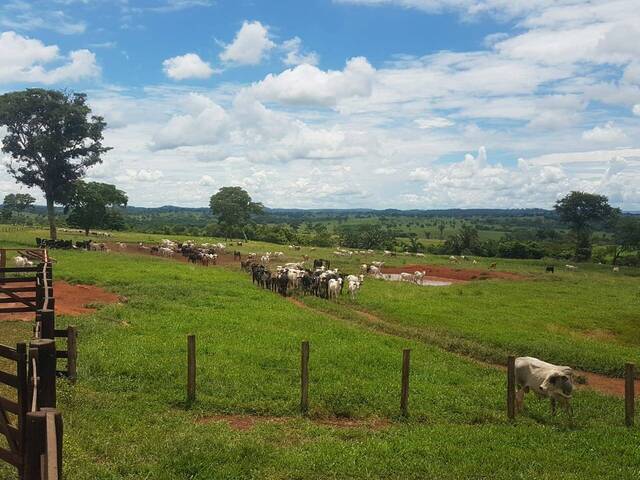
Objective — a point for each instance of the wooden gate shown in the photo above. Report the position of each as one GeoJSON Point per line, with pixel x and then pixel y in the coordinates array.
{"type": "Point", "coordinates": [15, 404]}
{"type": "Point", "coordinates": [26, 289]}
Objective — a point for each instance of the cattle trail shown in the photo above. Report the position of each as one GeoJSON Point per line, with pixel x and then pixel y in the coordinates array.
{"type": "Point", "coordinates": [594, 381]}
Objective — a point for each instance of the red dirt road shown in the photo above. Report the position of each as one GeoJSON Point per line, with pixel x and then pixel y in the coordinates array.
{"type": "Point", "coordinates": [70, 300]}
{"type": "Point", "coordinates": [459, 274]}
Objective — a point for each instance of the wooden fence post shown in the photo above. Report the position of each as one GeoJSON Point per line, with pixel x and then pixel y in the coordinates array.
{"type": "Point", "coordinates": [404, 395]}
{"type": "Point", "coordinates": [43, 447]}
{"type": "Point", "coordinates": [191, 368]}
{"type": "Point", "coordinates": [511, 387]}
{"type": "Point", "coordinates": [46, 371]}
{"type": "Point", "coordinates": [47, 324]}
{"type": "Point", "coordinates": [629, 393]}
{"type": "Point", "coordinates": [304, 377]}
{"type": "Point", "coordinates": [72, 353]}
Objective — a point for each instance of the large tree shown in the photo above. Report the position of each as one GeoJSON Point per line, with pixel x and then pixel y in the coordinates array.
{"type": "Point", "coordinates": [15, 203]}
{"type": "Point", "coordinates": [93, 205]}
{"type": "Point", "coordinates": [52, 138]}
{"type": "Point", "coordinates": [626, 235]}
{"type": "Point", "coordinates": [581, 210]}
{"type": "Point", "coordinates": [233, 207]}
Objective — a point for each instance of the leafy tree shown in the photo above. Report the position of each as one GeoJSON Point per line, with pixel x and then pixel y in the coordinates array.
{"type": "Point", "coordinates": [626, 236]}
{"type": "Point", "coordinates": [15, 203]}
{"type": "Point", "coordinates": [368, 235]}
{"type": "Point", "coordinates": [581, 211]}
{"type": "Point", "coordinates": [233, 207]}
{"type": "Point", "coordinates": [92, 205]}
{"type": "Point", "coordinates": [465, 241]}
{"type": "Point", "coordinates": [52, 139]}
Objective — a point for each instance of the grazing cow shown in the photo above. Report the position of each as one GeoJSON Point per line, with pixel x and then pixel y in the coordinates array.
{"type": "Point", "coordinates": [571, 267]}
{"type": "Point", "coordinates": [474, 262]}
{"type": "Point", "coordinates": [419, 254]}
{"type": "Point", "coordinates": [419, 276]}
{"type": "Point", "coordinates": [545, 380]}
{"type": "Point", "coordinates": [406, 277]}
{"type": "Point", "coordinates": [453, 259]}
{"type": "Point", "coordinates": [616, 269]}
{"type": "Point", "coordinates": [493, 266]}
{"type": "Point", "coordinates": [375, 271]}
{"type": "Point", "coordinates": [550, 269]}
{"type": "Point", "coordinates": [122, 246]}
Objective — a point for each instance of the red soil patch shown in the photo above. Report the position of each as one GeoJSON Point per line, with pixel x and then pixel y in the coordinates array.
{"type": "Point", "coordinates": [455, 274]}
{"type": "Point", "coordinates": [133, 248]}
{"type": "Point", "coordinates": [70, 300]}
{"type": "Point", "coordinates": [241, 422]}
{"type": "Point", "coordinates": [607, 385]}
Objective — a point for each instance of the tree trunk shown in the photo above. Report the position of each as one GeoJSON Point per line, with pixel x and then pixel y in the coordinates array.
{"type": "Point", "coordinates": [53, 233]}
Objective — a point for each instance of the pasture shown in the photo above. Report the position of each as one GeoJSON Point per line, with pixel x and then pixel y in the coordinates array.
{"type": "Point", "coordinates": [127, 417]}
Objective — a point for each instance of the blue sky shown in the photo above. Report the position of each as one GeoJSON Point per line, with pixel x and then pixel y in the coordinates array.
{"type": "Point", "coordinates": [346, 103]}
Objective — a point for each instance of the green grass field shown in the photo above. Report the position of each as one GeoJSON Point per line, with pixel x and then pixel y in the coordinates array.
{"type": "Point", "coordinates": [126, 418]}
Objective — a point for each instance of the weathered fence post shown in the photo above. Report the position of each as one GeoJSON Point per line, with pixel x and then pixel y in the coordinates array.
{"type": "Point", "coordinates": [191, 368]}
{"type": "Point", "coordinates": [511, 387]}
{"type": "Point", "coordinates": [43, 447]}
{"type": "Point", "coordinates": [629, 393]}
{"type": "Point", "coordinates": [47, 324]}
{"type": "Point", "coordinates": [404, 395]}
{"type": "Point", "coordinates": [304, 378]}
{"type": "Point", "coordinates": [72, 353]}
{"type": "Point", "coordinates": [46, 371]}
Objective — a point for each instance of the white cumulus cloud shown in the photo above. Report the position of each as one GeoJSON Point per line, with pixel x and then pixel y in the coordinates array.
{"type": "Point", "coordinates": [307, 84]}
{"type": "Point", "coordinates": [434, 122]}
{"type": "Point", "coordinates": [607, 133]}
{"type": "Point", "coordinates": [250, 45]}
{"type": "Point", "coordinates": [24, 59]}
{"type": "Point", "coordinates": [186, 66]}
{"type": "Point", "coordinates": [295, 55]}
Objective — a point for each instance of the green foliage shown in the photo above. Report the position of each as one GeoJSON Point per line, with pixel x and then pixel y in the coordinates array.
{"type": "Point", "coordinates": [233, 207]}
{"type": "Point", "coordinates": [15, 203]}
{"type": "Point", "coordinates": [93, 205]}
{"type": "Point", "coordinates": [626, 236]}
{"type": "Point", "coordinates": [52, 140]}
{"type": "Point", "coordinates": [370, 235]}
{"type": "Point", "coordinates": [581, 211]}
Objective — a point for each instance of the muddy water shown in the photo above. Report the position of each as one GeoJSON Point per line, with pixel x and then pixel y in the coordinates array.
{"type": "Point", "coordinates": [426, 281]}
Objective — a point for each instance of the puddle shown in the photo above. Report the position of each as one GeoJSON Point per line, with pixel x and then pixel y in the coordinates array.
{"type": "Point", "coordinates": [426, 281]}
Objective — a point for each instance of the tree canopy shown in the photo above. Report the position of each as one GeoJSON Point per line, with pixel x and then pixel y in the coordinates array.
{"type": "Point", "coordinates": [626, 235]}
{"type": "Point", "coordinates": [581, 210]}
{"type": "Point", "coordinates": [52, 139]}
{"type": "Point", "coordinates": [15, 203]}
{"type": "Point", "coordinates": [92, 205]}
{"type": "Point", "coordinates": [233, 207]}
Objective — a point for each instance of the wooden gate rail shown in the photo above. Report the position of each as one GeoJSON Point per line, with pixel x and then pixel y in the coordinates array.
{"type": "Point", "coordinates": [14, 432]}
{"type": "Point", "coordinates": [17, 296]}
{"type": "Point", "coordinates": [46, 318]}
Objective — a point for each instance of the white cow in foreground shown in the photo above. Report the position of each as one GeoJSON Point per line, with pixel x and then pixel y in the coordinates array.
{"type": "Point", "coordinates": [545, 380]}
{"type": "Point", "coordinates": [418, 276]}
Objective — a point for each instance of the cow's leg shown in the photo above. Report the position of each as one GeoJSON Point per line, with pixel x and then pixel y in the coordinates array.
{"type": "Point", "coordinates": [553, 406]}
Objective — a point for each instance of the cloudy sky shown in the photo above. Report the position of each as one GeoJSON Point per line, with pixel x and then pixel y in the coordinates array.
{"type": "Point", "coordinates": [346, 103]}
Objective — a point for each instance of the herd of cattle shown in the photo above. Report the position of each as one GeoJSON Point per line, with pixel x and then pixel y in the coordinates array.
{"type": "Point", "coordinates": [320, 281]}
{"type": "Point", "coordinates": [205, 254]}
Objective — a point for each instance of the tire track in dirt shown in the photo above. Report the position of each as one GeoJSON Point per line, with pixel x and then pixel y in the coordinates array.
{"type": "Point", "coordinates": [596, 382]}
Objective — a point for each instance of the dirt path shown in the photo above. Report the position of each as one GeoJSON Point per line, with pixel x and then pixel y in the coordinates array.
{"type": "Point", "coordinates": [71, 300]}
{"type": "Point", "coordinates": [596, 382]}
{"type": "Point", "coordinates": [454, 274]}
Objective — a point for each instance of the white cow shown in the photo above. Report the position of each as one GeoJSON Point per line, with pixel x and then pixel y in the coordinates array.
{"type": "Point", "coordinates": [334, 288]}
{"type": "Point", "coordinates": [22, 262]}
{"type": "Point", "coordinates": [353, 289]}
{"type": "Point", "coordinates": [571, 267]}
{"type": "Point", "coordinates": [375, 271]}
{"type": "Point", "coordinates": [545, 380]}
{"type": "Point", "coordinates": [418, 276]}
{"type": "Point", "coordinates": [406, 277]}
